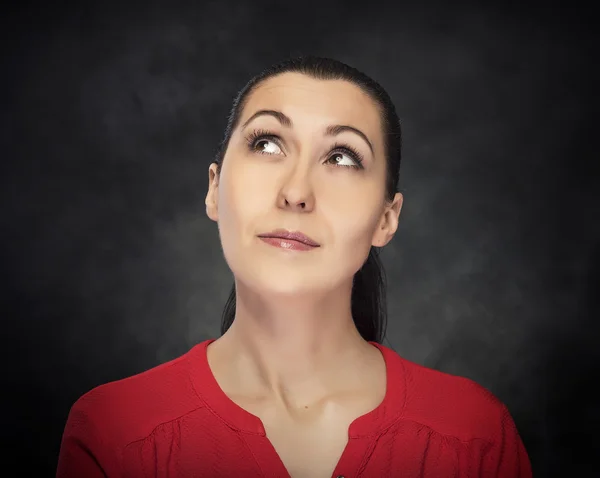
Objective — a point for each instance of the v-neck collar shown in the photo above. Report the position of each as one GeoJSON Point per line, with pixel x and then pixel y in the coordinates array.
{"type": "Point", "coordinates": [360, 432]}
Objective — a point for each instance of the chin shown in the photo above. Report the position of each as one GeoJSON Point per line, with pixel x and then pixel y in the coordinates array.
{"type": "Point", "coordinates": [286, 285]}
{"type": "Point", "coordinates": [291, 290]}
{"type": "Point", "coordinates": [282, 282]}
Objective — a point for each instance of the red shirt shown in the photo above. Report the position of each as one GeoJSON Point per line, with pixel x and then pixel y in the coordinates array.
{"type": "Point", "coordinates": [175, 421]}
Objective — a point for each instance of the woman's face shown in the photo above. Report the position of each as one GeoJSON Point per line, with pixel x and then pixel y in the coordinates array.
{"type": "Point", "coordinates": [296, 178]}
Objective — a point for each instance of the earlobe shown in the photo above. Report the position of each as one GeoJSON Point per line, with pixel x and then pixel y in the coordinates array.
{"type": "Point", "coordinates": [212, 195]}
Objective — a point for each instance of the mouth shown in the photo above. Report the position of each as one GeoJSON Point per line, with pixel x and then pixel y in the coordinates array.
{"type": "Point", "coordinates": [293, 240]}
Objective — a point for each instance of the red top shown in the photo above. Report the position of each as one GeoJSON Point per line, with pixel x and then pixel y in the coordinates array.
{"type": "Point", "coordinates": [174, 420]}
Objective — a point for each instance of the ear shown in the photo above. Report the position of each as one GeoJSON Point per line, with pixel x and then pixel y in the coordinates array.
{"type": "Point", "coordinates": [212, 197]}
{"type": "Point", "coordinates": [389, 222]}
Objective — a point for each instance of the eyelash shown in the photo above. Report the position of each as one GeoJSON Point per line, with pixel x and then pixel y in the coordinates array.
{"type": "Point", "coordinates": [261, 134]}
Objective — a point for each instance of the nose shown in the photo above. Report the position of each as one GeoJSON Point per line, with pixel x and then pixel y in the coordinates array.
{"type": "Point", "coordinates": [300, 206]}
{"type": "Point", "coordinates": [297, 193]}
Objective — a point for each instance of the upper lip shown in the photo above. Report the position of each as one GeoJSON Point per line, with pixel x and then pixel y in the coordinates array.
{"type": "Point", "coordinates": [293, 235]}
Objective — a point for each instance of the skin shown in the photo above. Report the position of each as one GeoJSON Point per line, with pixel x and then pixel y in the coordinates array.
{"type": "Point", "coordinates": [293, 342]}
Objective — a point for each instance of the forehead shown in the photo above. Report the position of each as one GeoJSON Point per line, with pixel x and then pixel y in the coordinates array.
{"type": "Point", "coordinates": [309, 101]}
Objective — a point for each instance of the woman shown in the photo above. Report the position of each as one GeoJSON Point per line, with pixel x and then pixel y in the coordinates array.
{"type": "Point", "coordinates": [304, 192]}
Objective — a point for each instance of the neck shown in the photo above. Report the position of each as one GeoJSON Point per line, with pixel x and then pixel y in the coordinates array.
{"type": "Point", "coordinates": [296, 350]}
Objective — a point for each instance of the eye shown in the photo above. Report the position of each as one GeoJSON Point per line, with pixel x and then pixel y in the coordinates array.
{"type": "Point", "coordinates": [353, 158]}
{"type": "Point", "coordinates": [266, 146]}
{"type": "Point", "coordinates": [338, 159]}
{"type": "Point", "coordinates": [262, 142]}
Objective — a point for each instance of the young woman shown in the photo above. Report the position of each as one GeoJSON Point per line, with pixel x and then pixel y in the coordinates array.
{"type": "Point", "coordinates": [304, 192]}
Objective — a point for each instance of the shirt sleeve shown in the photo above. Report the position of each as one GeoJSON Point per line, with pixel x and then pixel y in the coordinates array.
{"type": "Point", "coordinates": [507, 457]}
{"type": "Point", "coordinates": [83, 450]}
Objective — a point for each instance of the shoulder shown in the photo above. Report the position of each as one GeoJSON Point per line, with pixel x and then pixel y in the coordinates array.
{"type": "Point", "coordinates": [450, 404]}
{"type": "Point", "coordinates": [130, 408]}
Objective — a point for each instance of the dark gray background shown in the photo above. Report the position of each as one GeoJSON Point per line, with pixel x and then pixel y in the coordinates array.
{"type": "Point", "coordinates": [112, 113]}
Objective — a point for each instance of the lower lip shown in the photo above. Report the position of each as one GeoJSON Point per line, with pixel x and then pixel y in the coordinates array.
{"type": "Point", "coordinates": [288, 244]}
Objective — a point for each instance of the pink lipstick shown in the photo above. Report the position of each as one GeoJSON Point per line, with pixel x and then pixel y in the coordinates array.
{"type": "Point", "coordinates": [291, 240]}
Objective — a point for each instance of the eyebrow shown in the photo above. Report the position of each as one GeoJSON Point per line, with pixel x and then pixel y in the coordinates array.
{"type": "Point", "coordinates": [331, 130]}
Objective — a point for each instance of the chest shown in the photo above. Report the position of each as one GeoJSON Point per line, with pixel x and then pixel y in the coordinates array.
{"type": "Point", "coordinates": [311, 441]}
{"type": "Point", "coordinates": [309, 452]}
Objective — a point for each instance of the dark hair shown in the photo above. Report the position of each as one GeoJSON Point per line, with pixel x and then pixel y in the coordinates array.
{"type": "Point", "coordinates": [369, 308]}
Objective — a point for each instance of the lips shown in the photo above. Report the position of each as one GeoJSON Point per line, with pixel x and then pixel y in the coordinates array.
{"type": "Point", "coordinates": [291, 236]}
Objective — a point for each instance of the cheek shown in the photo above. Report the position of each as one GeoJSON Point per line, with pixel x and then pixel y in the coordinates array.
{"type": "Point", "coordinates": [352, 209]}
{"type": "Point", "coordinates": [353, 221]}
{"type": "Point", "coordinates": [242, 198]}
{"type": "Point", "coordinates": [356, 235]}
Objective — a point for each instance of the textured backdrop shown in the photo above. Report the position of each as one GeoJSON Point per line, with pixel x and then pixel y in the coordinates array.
{"type": "Point", "coordinates": [111, 115]}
